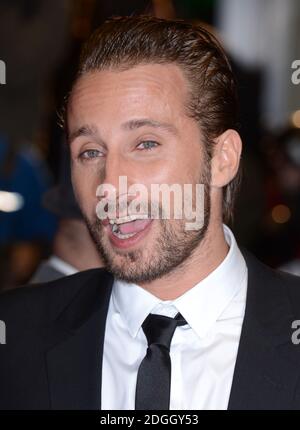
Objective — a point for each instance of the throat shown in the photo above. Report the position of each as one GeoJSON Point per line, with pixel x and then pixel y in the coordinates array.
{"type": "Point", "coordinates": [195, 269]}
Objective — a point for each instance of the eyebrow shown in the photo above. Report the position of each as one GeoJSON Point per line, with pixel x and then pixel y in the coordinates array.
{"type": "Point", "coordinates": [147, 122]}
{"type": "Point", "coordinates": [92, 131]}
{"type": "Point", "coordinates": [85, 130]}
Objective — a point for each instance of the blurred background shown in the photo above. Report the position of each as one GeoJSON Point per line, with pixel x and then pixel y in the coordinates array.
{"type": "Point", "coordinates": [42, 235]}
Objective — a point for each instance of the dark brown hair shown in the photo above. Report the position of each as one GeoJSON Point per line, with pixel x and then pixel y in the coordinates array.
{"type": "Point", "coordinates": [123, 42]}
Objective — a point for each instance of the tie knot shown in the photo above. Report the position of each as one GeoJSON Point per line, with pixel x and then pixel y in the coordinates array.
{"type": "Point", "coordinates": [160, 329]}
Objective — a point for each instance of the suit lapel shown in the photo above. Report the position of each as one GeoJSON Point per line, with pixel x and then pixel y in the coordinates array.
{"type": "Point", "coordinates": [74, 347]}
{"type": "Point", "coordinates": [267, 368]}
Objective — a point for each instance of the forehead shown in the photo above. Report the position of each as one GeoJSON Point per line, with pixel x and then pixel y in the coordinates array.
{"type": "Point", "coordinates": [159, 89]}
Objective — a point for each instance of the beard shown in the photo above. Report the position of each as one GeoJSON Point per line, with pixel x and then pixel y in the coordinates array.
{"type": "Point", "coordinates": [169, 251]}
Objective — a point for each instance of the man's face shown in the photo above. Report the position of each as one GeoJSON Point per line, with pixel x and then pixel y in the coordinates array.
{"type": "Point", "coordinates": [134, 123]}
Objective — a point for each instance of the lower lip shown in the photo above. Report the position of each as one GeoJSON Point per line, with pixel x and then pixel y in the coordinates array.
{"type": "Point", "coordinates": [131, 241]}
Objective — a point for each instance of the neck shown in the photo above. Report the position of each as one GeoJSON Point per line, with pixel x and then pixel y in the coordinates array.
{"type": "Point", "coordinates": [205, 259]}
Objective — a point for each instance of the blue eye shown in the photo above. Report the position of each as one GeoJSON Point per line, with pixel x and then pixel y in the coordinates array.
{"type": "Point", "coordinates": [90, 154]}
{"type": "Point", "coordinates": [148, 145]}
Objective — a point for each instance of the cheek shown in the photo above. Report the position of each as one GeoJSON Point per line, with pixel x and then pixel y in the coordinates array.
{"type": "Point", "coordinates": [179, 169]}
{"type": "Point", "coordinates": [192, 161]}
{"type": "Point", "coordinates": [184, 168]}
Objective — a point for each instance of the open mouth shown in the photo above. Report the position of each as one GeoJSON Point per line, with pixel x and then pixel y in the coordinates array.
{"type": "Point", "coordinates": [128, 226]}
{"type": "Point", "coordinates": [127, 230]}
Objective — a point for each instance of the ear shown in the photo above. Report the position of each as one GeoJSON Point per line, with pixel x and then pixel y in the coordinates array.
{"type": "Point", "coordinates": [226, 158]}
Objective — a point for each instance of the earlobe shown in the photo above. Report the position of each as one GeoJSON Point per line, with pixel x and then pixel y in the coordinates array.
{"type": "Point", "coordinates": [226, 158]}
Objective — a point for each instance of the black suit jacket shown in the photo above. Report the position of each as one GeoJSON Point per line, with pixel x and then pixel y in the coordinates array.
{"type": "Point", "coordinates": [55, 333]}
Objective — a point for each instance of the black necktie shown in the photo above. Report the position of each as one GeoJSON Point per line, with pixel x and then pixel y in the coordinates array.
{"type": "Point", "coordinates": [154, 374]}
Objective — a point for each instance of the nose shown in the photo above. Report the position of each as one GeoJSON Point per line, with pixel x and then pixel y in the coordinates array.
{"type": "Point", "coordinates": [113, 173]}
{"type": "Point", "coordinates": [112, 170]}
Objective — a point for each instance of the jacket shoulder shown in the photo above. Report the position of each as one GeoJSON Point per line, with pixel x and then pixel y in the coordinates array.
{"type": "Point", "coordinates": [274, 281]}
{"type": "Point", "coordinates": [44, 302]}
{"type": "Point", "coordinates": [292, 285]}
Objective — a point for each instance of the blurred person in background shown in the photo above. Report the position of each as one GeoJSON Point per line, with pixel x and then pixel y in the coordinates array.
{"type": "Point", "coordinates": [73, 248]}
{"type": "Point", "coordinates": [26, 227]}
{"type": "Point", "coordinates": [31, 50]}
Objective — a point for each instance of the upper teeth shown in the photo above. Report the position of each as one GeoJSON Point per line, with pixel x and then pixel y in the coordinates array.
{"type": "Point", "coordinates": [127, 219]}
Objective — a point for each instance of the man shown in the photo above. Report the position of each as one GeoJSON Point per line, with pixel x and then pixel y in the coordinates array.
{"type": "Point", "coordinates": [181, 319]}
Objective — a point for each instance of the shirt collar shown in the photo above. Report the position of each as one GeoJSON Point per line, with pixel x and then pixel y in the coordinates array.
{"type": "Point", "coordinates": [61, 265]}
{"type": "Point", "coordinates": [201, 306]}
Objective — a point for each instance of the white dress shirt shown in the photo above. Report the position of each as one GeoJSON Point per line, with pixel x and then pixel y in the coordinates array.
{"type": "Point", "coordinates": [203, 352]}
